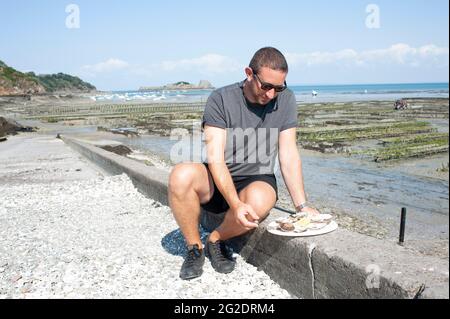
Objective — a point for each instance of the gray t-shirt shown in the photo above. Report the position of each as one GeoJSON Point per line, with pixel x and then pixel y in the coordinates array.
{"type": "Point", "coordinates": [252, 129]}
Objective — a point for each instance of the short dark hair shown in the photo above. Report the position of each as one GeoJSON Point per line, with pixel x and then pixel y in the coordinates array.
{"type": "Point", "coordinates": [270, 58]}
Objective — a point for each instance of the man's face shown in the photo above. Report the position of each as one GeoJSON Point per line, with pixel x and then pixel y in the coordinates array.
{"type": "Point", "coordinates": [264, 76]}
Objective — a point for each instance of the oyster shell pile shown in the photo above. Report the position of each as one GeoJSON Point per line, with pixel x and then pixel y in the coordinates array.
{"type": "Point", "coordinates": [302, 222]}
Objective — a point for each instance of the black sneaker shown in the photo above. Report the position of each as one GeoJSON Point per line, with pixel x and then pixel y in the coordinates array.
{"type": "Point", "coordinates": [193, 263]}
{"type": "Point", "coordinates": [220, 256]}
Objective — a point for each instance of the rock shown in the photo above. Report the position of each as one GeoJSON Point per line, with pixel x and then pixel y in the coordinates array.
{"type": "Point", "coordinates": [205, 84]}
{"type": "Point", "coordinates": [119, 149]}
{"type": "Point", "coordinates": [26, 288]}
{"type": "Point", "coordinates": [181, 85]}
{"type": "Point", "coordinates": [8, 126]}
{"type": "Point", "coordinates": [127, 131]}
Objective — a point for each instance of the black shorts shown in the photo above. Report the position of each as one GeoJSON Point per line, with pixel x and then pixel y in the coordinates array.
{"type": "Point", "coordinates": [217, 204]}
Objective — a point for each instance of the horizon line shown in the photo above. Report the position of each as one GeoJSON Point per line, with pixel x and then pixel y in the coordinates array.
{"type": "Point", "coordinates": [314, 84]}
{"type": "Point", "coordinates": [374, 83]}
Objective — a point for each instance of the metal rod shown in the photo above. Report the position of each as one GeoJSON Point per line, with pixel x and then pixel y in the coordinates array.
{"type": "Point", "coordinates": [289, 211]}
{"type": "Point", "coordinates": [401, 239]}
{"type": "Point", "coordinates": [285, 210]}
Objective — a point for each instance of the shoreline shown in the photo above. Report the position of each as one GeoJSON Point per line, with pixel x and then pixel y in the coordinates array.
{"type": "Point", "coordinates": [70, 98]}
{"type": "Point", "coordinates": [177, 96]}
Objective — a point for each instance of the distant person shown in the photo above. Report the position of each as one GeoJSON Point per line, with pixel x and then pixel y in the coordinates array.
{"type": "Point", "coordinates": [245, 125]}
{"type": "Point", "coordinates": [400, 105]}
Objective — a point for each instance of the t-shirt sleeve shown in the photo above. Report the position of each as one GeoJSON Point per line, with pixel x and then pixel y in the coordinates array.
{"type": "Point", "coordinates": [290, 116]}
{"type": "Point", "coordinates": [214, 114]}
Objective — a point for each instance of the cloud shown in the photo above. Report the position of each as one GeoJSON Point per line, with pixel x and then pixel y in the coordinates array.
{"type": "Point", "coordinates": [109, 65]}
{"type": "Point", "coordinates": [399, 54]}
{"type": "Point", "coordinates": [209, 63]}
{"type": "Point", "coordinates": [208, 66]}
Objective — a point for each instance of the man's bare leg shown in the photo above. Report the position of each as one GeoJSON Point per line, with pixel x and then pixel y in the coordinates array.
{"type": "Point", "coordinates": [190, 184]}
{"type": "Point", "coordinates": [261, 196]}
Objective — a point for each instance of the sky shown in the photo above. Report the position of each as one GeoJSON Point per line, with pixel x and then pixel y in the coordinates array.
{"type": "Point", "coordinates": [122, 45]}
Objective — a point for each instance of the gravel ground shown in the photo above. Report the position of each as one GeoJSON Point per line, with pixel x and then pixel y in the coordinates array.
{"type": "Point", "coordinates": [96, 236]}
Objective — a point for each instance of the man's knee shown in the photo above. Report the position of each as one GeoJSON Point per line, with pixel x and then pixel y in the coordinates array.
{"type": "Point", "coordinates": [191, 177]}
{"type": "Point", "coordinates": [181, 178]}
{"type": "Point", "coordinates": [261, 196]}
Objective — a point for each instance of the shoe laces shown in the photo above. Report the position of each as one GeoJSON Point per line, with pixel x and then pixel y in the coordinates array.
{"type": "Point", "coordinates": [222, 251]}
{"type": "Point", "coordinates": [193, 254]}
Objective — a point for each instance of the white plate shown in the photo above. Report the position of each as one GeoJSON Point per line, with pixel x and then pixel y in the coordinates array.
{"type": "Point", "coordinates": [273, 229]}
{"type": "Point", "coordinates": [321, 217]}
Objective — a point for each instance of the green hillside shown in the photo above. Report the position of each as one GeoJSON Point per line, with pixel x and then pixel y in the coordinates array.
{"type": "Point", "coordinates": [13, 82]}
{"type": "Point", "coordinates": [63, 82]}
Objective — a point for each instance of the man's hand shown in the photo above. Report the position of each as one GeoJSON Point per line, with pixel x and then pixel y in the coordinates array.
{"type": "Point", "coordinates": [310, 211]}
{"type": "Point", "coordinates": [246, 216]}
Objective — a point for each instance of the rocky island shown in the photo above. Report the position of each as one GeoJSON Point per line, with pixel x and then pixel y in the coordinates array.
{"type": "Point", "coordinates": [182, 85]}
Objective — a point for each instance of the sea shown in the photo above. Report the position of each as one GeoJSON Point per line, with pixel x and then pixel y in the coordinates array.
{"type": "Point", "coordinates": [303, 93]}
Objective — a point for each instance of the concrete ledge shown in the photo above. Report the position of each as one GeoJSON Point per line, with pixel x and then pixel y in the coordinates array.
{"type": "Point", "coordinates": [341, 264]}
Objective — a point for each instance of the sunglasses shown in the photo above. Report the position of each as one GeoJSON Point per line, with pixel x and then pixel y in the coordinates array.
{"type": "Point", "coordinates": [267, 86]}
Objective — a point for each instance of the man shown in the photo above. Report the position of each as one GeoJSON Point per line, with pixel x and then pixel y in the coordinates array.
{"type": "Point", "coordinates": [241, 123]}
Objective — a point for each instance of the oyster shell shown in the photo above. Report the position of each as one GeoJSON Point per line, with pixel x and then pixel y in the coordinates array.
{"type": "Point", "coordinates": [300, 229]}
{"type": "Point", "coordinates": [286, 226]}
{"type": "Point", "coordinates": [317, 226]}
{"type": "Point", "coordinates": [299, 215]}
{"type": "Point", "coordinates": [303, 222]}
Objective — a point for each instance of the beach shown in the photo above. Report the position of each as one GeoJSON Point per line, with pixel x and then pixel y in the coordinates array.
{"type": "Point", "coordinates": [340, 174]}
{"type": "Point", "coordinates": [94, 251]}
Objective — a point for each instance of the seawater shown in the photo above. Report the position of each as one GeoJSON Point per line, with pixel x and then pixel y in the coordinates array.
{"type": "Point", "coordinates": [303, 93]}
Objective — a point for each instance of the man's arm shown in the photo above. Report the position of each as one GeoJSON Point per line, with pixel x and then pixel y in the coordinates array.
{"type": "Point", "coordinates": [215, 140]}
{"type": "Point", "coordinates": [291, 168]}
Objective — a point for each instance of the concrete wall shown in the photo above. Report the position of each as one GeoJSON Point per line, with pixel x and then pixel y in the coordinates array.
{"type": "Point", "coordinates": [341, 264]}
